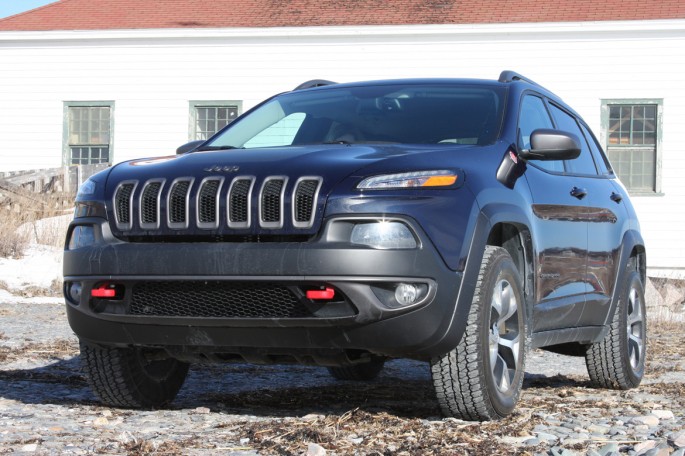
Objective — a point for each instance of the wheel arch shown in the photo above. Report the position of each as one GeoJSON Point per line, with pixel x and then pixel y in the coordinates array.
{"type": "Point", "coordinates": [517, 241]}
{"type": "Point", "coordinates": [633, 257]}
{"type": "Point", "coordinates": [500, 225]}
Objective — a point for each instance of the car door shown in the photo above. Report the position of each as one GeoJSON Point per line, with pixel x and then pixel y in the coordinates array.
{"type": "Point", "coordinates": [560, 228]}
{"type": "Point", "coordinates": [605, 218]}
{"type": "Point", "coordinates": [608, 221]}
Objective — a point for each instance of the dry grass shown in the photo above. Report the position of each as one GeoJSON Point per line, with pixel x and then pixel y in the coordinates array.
{"type": "Point", "coordinates": [20, 228]}
{"type": "Point", "coordinates": [60, 348]}
{"type": "Point", "coordinates": [13, 242]}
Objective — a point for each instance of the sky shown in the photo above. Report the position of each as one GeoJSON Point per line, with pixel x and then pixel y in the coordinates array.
{"type": "Point", "coordinates": [11, 7]}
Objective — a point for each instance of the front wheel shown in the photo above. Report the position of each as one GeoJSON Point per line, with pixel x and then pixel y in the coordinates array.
{"type": "Point", "coordinates": [132, 377]}
{"type": "Point", "coordinates": [618, 361]}
{"type": "Point", "coordinates": [481, 378]}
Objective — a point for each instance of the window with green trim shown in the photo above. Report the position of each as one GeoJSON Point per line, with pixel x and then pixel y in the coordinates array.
{"type": "Point", "coordinates": [633, 138]}
{"type": "Point", "coordinates": [88, 133]}
{"type": "Point", "coordinates": [208, 117]}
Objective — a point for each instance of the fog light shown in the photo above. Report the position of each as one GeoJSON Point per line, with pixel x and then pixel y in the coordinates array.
{"type": "Point", "coordinates": [406, 294]}
{"type": "Point", "coordinates": [74, 292]}
{"type": "Point", "coordinates": [383, 235]}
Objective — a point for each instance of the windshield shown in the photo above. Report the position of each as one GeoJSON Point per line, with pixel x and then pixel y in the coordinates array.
{"type": "Point", "coordinates": [401, 114]}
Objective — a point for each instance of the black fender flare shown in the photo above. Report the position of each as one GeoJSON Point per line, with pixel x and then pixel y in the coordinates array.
{"type": "Point", "coordinates": [473, 250]}
{"type": "Point", "coordinates": [631, 241]}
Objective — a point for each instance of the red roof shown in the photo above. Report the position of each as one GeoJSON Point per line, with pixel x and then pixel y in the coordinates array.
{"type": "Point", "coordinates": [148, 14]}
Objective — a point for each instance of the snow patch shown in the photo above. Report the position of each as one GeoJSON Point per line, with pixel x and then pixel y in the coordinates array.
{"type": "Point", "coordinates": [39, 267]}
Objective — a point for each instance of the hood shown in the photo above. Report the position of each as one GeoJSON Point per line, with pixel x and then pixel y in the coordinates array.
{"type": "Point", "coordinates": [331, 162]}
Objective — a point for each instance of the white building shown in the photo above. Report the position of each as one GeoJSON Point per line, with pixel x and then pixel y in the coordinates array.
{"type": "Point", "coordinates": [109, 80]}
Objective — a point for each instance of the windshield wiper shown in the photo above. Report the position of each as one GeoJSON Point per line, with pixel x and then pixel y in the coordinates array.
{"type": "Point", "coordinates": [226, 147]}
{"type": "Point", "coordinates": [339, 141]}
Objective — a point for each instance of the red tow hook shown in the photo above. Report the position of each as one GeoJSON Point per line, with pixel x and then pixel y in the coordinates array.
{"type": "Point", "coordinates": [105, 290]}
{"type": "Point", "coordinates": [324, 294]}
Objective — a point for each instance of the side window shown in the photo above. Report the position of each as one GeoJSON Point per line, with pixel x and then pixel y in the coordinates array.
{"type": "Point", "coordinates": [282, 133]}
{"type": "Point", "coordinates": [600, 159]}
{"type": "Point", "coordinates": [584, 164]}
{"type": "Point", "coordinates": [534, 115]}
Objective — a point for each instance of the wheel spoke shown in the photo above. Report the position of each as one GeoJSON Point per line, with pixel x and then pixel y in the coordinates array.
{"type": "Point", "coordinates": [635, 344]}
{"type": "Point", "coordinates": [634, 328]}
{"type": "Point", "coordinates": [504, 340]}
{"type": "Point", "coordinates": [494, 347]}
{"type": "Point", "coordinates": [508, 302]}
{"type": "Point", "coordinates": [496, 303]}
{"type": "Point", "coordinates": [500, 374]}
{"type": "Point", "coordinates": [510, 346]}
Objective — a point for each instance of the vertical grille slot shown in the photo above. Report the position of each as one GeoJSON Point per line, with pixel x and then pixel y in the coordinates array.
{"type": "Point", "coordinates": [271, 202]}
{"type": "Point", "coordinates": [177, 204]}
{"type": "Point", "coordinates": [149, 205]}
{"type": "Point", "coordinates": [239, 197]}
{"type": "Point", "coordinates": [123, 205]}
{"type": "Point", "coordinates": [304, 201]}
{"type": "Point", "coordinates": [208, 203]}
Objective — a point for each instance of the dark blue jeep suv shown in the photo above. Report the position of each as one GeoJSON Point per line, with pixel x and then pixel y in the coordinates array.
{"type": "Point", "coordinates": [459, 222]}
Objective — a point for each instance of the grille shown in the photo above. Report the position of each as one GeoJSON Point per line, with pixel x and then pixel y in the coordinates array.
{"type": "Point", "coordinates": [149, 206]}
{"type": "Point", "coordinates": [215, 300]}
{"type": "Point", "coordinates": [178, 205]}
{"type": "Point", "coordinates": [271, 203]}
{"type": "Point", "coordinates": [207, 203]}
{"type": "Point", "coordinates": [304, 201]}
{"type": "Point", "coordinates": [122, 202]}
{"type": "Point", "coordinates": [192, 206]}
{"type": "Point", "coordinates": [239, 203]}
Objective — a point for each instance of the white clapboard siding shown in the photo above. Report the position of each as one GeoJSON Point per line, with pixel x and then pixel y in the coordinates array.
{"type": "Point", "coordinates": [151, 75]}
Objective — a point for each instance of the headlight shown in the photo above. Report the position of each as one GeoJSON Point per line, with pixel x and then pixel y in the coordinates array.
{"type": "Point", "coordinates": [436, 178]}
{"type": "Point", "coordinates": [383, 235]}
{"type": "Point", "coordinates": [87, 188]}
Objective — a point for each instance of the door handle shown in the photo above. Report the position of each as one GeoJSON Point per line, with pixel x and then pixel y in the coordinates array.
{"type": "Point", "coordinates": [579, 193]}
{"type": "Point", "coordinates": [616, 197]}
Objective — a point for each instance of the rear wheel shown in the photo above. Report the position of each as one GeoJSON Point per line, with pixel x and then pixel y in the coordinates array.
{"type": "Point", "coordinates": [481, 378]}
{"type": "Point", "coordinates": [132, 377]}
{"type": "Point", "coordinates": [358, 372]}
{"type": "Point", "coordinates": [618, 361]}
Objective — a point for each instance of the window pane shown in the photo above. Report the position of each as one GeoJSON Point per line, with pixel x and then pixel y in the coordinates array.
{"type": "Point", "coordinates": [89, 155]}
{"type": "Point", "coordinates": [632, 144]}
{"type": "Point", "coordinates": [600, 158]}
{"type": "Point", "coordinates": [534, 115]}
{"type": "Point", "coordinates": [282, 133]}
{"type": "Point", "coordinates": [89, 134]}
{"type": "Point", "coordinates": [211, 119]}
{"type": "Point", "coordinates": [584, 164]}
{"type": "Point", "coordinates": [635, 126]}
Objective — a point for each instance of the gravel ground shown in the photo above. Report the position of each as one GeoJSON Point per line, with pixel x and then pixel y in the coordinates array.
{"type": "Point", "coordinates": [46, 406]}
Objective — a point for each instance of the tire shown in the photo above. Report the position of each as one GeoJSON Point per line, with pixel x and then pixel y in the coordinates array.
{"type": "Point", "coordinates": [358, 372]}
{"type": "Point", "coordinates": [481, 378]}
{"type": "Point", "coordinates": [618, 361]}
{"type": "Point", "coordinates": [132, 378]}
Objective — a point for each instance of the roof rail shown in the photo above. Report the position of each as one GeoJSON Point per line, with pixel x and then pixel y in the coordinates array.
{"type": "Point", "coordinates": [511, 76]}
{"type": "Point", "coordinates": [314, 83]}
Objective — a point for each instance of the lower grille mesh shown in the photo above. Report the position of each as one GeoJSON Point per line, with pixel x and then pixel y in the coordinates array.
{"type": "Point", "coordinates": [216, 300]}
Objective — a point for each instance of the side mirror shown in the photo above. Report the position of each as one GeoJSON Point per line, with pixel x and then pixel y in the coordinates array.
{"type": "Point", "coordinates": [548, 144]}
{"type": "Point", "coordinates": [188, 146]}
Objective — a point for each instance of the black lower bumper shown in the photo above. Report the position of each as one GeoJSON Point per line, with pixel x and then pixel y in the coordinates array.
{"type": "Point", "coordinates": [427, 328]}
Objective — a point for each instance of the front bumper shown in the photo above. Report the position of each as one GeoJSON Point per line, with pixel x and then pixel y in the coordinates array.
{"type": "Point", "coordinates": [427, 328]}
